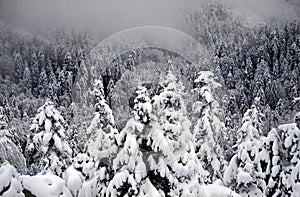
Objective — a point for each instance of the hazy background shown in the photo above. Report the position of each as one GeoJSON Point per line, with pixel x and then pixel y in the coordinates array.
{"type": "Point", "coordinates": [109, 16]}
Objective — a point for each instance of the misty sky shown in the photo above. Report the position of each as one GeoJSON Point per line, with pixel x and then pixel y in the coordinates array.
{"type": "Point", "coordinates": [110, 16]}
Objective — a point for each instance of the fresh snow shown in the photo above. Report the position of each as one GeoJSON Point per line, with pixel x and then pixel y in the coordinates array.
{"type": "Point", "coordinates": [9, 182]}
{"type": "Point", "coordinates": [214, 190]}
{"type": "Point", "coordinates": [47, 185]}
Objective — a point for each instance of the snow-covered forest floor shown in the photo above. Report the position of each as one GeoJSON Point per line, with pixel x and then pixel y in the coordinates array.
{"type": "Point", "coordinates": [220, 119]}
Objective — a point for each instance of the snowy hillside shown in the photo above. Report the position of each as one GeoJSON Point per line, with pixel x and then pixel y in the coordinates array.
{"type": "Point", "coordinates": [211, 109]}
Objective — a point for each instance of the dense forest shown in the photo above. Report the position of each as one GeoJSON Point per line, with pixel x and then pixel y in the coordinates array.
{"type": "Point", "coordinates": [151, 122]}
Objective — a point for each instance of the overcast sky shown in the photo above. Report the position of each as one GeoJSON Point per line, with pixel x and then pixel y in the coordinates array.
{"type": "Point", "coordinates": [110, 16]}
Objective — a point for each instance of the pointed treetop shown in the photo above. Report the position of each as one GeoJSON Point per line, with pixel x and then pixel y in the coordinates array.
{"type": "Point", "coordinates": [98, 89]}
{"type": "Point", "coordinates": [171, 83]}
{"type": "Point", "coordinates": [3, 119]}
{"type": "Point", "coordinates": [207, 78]}
{"type": "Point", "coordinates": [142, 105]}
{"type": "Point", "coordinates": [252, 122]}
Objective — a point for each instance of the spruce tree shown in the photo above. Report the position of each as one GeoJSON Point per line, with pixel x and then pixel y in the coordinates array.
{"type": "Point", "coordinates": [129, 163]}
{"type": "Point", "coordinates": [101, 145]}
{"type": "Point", "coordinates": [102, 131]}
{"type": "Point", "coordinates": [209, 130]}
{"type": "Point", "coordinates": [244, 173]}
{"type": "Point", "coordinates": [19, 67]}
{"type": "Point", "coordinates": [9, 151]}
{"type": "Point", "coordinates": [26, 82]}
{"type": "Point", "coordinates": [43, 82]}
{"type": "Point", "coordinates": [174, 160]}
{"type": "Point", "coordinates": [289, 160]}
{"type": "Point", "coordinates": [47, 148]}
{"type": "Point", "coordinates": [273, 175]}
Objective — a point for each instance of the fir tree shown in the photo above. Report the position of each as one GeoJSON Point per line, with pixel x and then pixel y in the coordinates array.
{"type": "Point", "coordinates": [102, 137]}
{"type": "Point", "coordinates": [42, 83]}
{"type": "Point", "coordinates": [171, 140]}
{"type": "Point", "coordinates": [209, 130]}
{"type": "Point", "coordinates": [130, 162]}
{"type": "Point", "coordinates": [244, 173]}
{"type": "Point", "coordinates": [47, 148]}
{"type": "Point", "coordinates": [101, 132]}
{"type": "Point", "coordinates": [289, 160]}
{"type": "Point", "coordinates": [273, 175]}
{"type": "Point", "coordinates": [34, 68]}
{"type": "Point", "coordinates": [19, 67]}
{"type": "Point", "coordinates": [26, 82]}
{"type": "Point", "coordinates": [9, 152]}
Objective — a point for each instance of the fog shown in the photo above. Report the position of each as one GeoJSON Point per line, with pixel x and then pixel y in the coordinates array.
{"type": "Point", "coordinates": [106, 17]}
{"type": "Point", "coordinates": [266, 10]}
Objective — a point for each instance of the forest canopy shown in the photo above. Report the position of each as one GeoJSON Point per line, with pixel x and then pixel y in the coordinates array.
{"type": "Point", "coordinates": [151, 120]}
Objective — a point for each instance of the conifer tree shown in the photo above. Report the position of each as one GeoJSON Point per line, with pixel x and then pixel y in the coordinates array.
{"type": "Point", "coordinates": [244, 173]}
{"type": "Point", "coordinates": [34, 68]}
{"type": "Point", "coordinates": [43, 82]}
{"type": "Point", "coordinates": [273, 175]}
{"type": "Point", "coordinates": [102, 131]}
{"type": "Point", "coordinates": [47, 148]}
{"type": "Point", "coordinates": [9, 151]}
{"type": "Point", "coordinates": [130, 162]}
{"type": "Point", "coordinates": [157, 145]}
{"type": "Point", "coordinates": [25, 82]}
{"type": "Point", "coordinates": [101, 145]}
{"type": "Point", "coordinates": [289, 160]}
{"type": "Point", "coordinates": [171, 139]}
{"type": "Point", "coordinates": [209, 131]}
{"type": "Point", "coordinates": [19, 67]}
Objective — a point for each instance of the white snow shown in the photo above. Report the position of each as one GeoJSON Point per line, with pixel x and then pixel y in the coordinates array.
{"type": "Point", "coordinates": [214, 190]}
{"type": "Point", "coordinates": [9, 183]}
{"type": "Point", "coordinates": [48, 125]}
{"type": "Point", "coordinates": [74, 180]}
{"type": "Point", "coordinates": [243, 177]}
{"type": "Point", "coordinates": [47, 185]}
{"type": "Point", "coordinates": [148, 190]}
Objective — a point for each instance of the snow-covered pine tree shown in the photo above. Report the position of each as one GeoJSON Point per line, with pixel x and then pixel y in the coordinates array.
{"type": "Point", "coordinates": [26, 79]}
{"type": "Point", "coordinates": [101, 144]}
{"type": "Point", "coordinates": [174, 159]}
{"type": "Point", "coordinates": [104, 116]}
{"type": "Point", "coordinates": [295, 174]}
{"type": "Point", "coordinates": [290, 154]}
{"type": "Point", "coordinates": [35, 73]}
{"type": "Point", "coordinates": [81, 86]}
{"type": "Point", "coordinates": [230, 131]}
{"type": "Point", "coordinates": [273, 175]}
{"type": "Point", "coordinates": [102, 131]}
{"type": "Point", "coordinates": [142, 105]}
{"type": "Point", "coordinates": [209, 130]}
{"type": "Point", "coordinates": [130, 167]}
{"type": "Point", "coordinates": [267, 123]}
{"type": "Point", "coordinates": [47, 148]}
{"type": "Point", "coordinates": [43, 82]}
{"type": "Point", "coordinates": [19, 65]}
{"type": "Point", "coordinates": [156, 158]}
{"type": "Point", "coordinates": [9, 151]}
{"type": "Point", "coordinates": [10, 184]}
{"type": "Point", "coordinates": [244, 172]}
